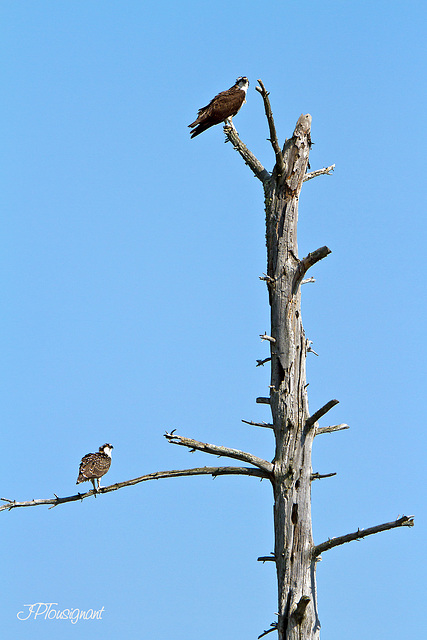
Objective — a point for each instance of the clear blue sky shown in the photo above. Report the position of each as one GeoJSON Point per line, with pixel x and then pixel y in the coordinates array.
{"type": "Point", "coordinates": [129, 273]}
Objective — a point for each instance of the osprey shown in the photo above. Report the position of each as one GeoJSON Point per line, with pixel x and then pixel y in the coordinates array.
{"type": "Point", "coordinates": [221, 108]}
{"type": "Point", "coordinates": [95, 465]}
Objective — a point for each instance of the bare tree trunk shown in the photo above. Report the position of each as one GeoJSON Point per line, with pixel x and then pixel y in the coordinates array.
{"type": "Point", "coordinates": [288, 397]}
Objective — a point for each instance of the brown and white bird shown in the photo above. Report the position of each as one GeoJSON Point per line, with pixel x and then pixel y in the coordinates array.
{"type": "Point", "coordinates": [95, 465]}
{"type": "Point", "coordinates": [221, 108]}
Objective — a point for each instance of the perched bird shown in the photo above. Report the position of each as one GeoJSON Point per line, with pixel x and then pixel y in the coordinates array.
{"type": "Point", "coordinates": [221, 108]}
{"type": "Point", "coordinates": [95, 465]}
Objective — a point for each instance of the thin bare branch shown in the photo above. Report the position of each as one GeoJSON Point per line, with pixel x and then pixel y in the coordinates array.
{"type": "Point", "coordinates": [404, 521]}
{"type": "Point", "coordinates": [261, 363]}
{"type": "Point", "coordinates": [267, 337]}
{"type": "Point", "coordinates": [262, 400]}
{"type": "Point", "coordinates": [267, 279]}
{"type": "Point", "coordinates": [333, 427]}
{"type": "Point", "coordinates": [319, 476]}
{"type": "Point", "coordinates": [310, 348]}
{"type": "Point", "coordinates": [266, 632]}
{"type": "Point", "coordinates": [212, 471]}
{"type": "Point", "coordinates": [326, 171]}
{"type": "Point", "coordinates": [266, 558]}
{"type": "Point", "coordinates": [194, 445]}
{"type": "Point", "coordinates": [259, 424]}
{"type": "Point", "coordinates": [306, 280]}
{"type": "Point", "coordinates": [321, 412]}
{"type": "Point", "coordinates": [253, 163]}
{"type": "Point", "coordinates": [308, 262]}
{"type": "Point", "coordinates": [280, 166]}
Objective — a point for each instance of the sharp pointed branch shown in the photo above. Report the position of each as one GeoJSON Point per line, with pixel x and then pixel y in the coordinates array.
{"type": "Point", "coordinates": [319, 476]}
{"type": "Point", "coordinates": [280, 166]}
{"type": "Point", "coordinates": [310, 348]}
{"type": "Point", "coordinates": [333, 427]}
{"type": "Point", "coordinates": [321, 412]}
{"type": "Point", "coordinates": [307, 280]}
{"type": "Point", "coordinates": [261, 363]}
{"type": "Point", "coordinates": [266, 558]}
{"type": "Point", "coordinates": [253, 163]}
{"type": "Point", "coordinates": [265, 632]}
{"type": "Point", "coordinates": [259, 424]}
{"type": "Point", "coordinates": [267, 279]}
{"type": "Point", "coordinates": [404, 521]}
{"type": "Point", "coordinates": [326, 171]}
{"type": "Point", "coordinates": [268, 338]}
{"type": "Point", "coordinates": [308, 262]}
{"type": "Point", "coordinates": [157, 475]}
{"type": "Point", "coordinates": [220, 451]}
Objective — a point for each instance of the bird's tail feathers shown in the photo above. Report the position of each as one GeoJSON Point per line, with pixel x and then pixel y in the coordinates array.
{"type": "Point", "coordinates": [199, 129]}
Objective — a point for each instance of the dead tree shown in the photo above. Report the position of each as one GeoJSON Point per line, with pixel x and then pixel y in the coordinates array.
{"type": "Point", "coordinates": [290, 473]}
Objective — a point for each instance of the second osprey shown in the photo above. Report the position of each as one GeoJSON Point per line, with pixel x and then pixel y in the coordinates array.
{"type": "Point", "coordinates": [221, 108]}
{"type": "Point", "coordinates": [95, 465]}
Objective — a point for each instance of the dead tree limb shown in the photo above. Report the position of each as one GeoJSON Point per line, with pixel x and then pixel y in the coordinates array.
{"type": "Point", "coordinates": [270, 558]}
{"type": "Point", "coordinates": [198, 471]}
{"type": "Point", "coordinates": [214, 449]}
{"type": "Point", "coordinates": [273, 626]}
{"type": "Point", "coordinates": [320, 412]}
{"type": "Point", "coordinates": [307, 262]}
{"type": "Point", "coordinates": [326, 171]}
{"type": "Point", "coordinates": [307, 280]}
{"type": "Point", "coordinates": [253, 163]}
{"type": "Point", "coordinates": [319, 476]}
{"type": "Point", "coordinates": [273, 135]}
{"type": "Point", "coordinates": [268, 338]}
{"type": "Point", "coordinates": [259, 424]}
{"type": "Point", "coordinates": [404, 521]}
{"type": "Point", "coordinates": [261, 363]}
{"type": "Point", "coordinates": [333, 427]}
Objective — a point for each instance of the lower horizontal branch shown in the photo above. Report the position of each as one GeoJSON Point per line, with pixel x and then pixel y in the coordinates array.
{"type": "Point", "coordinates": [404, 521]}
{"type": "Point", "coordinates": [157, 475]}
{"type": "Point", "coordinates": [195, 445]}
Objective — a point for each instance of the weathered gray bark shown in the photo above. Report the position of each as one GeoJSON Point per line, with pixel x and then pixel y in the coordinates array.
{"type": "Point", "coordinates": [288, 398]}
{"type": "Point", "coordinates": [294, 431]}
